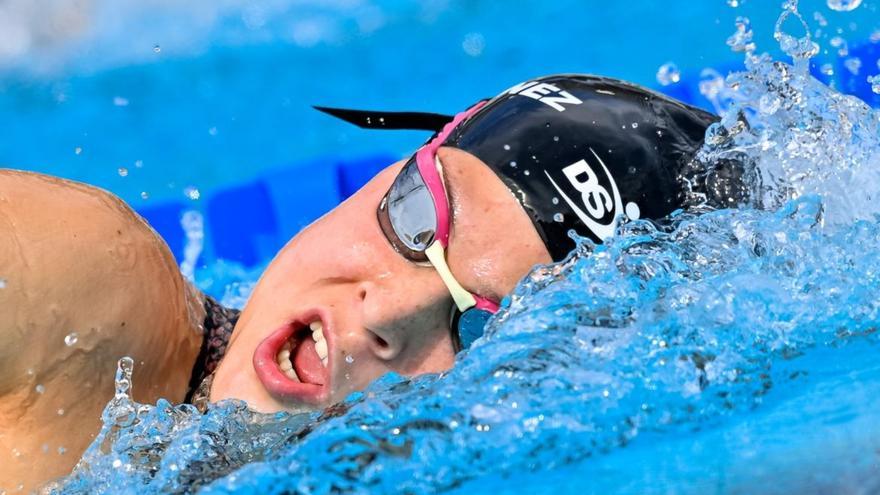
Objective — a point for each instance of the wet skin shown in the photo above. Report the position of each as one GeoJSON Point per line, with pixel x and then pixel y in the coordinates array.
{"type": "Point", "coordinates": [380, 311]}
{"type": "Point", "coordinates": [74, 258]}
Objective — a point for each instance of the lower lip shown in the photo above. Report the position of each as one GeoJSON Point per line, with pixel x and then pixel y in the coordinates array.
{"type": "Point", "coordinates": [276, 382]}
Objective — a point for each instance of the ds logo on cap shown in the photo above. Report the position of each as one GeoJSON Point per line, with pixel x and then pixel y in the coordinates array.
{"type": "Point", "coordinates": [602, 206]}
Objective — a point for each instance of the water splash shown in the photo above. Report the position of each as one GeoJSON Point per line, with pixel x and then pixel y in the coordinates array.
{"type": "Point", "coordinates": [193, 225]}
{"type": "Point", "coordinates": [169, 448]}
{"type": "Point", "coordinates": [792, 136]}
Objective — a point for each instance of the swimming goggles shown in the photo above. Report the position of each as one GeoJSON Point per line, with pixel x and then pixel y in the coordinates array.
{"type": "Point", "coordinates": [414, 215]}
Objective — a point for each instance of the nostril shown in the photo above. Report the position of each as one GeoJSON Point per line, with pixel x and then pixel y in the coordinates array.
{"type": "Point", "coordinates": [382, 343]}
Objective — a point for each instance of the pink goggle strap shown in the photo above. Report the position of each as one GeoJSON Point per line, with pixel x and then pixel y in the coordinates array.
{"type": "Point", "coordinates": [485, 304]}
{"type": "Point", "coordinates": [431, 176]}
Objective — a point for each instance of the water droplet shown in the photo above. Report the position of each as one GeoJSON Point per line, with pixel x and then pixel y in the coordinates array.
{"type": "Point", "coordinates": [527, 172]}
{"type": "Point", "coordinates": [635, 125]}
{"type": "Point", "coordinates": [841, 45]}
{"type": "Point", "coordinates": [558, 217]}
{"type": "Point", "coordinates": [632, 210]}
{"type": "Point", "coordinates": [473, 44]}
{"type": "Point", "coordinates": [212, 131]}
{"type": "Point", "coordinates": [827, 69]}
{"type": "Point", "coordinates": [874, 81]}
{"type": "Point", "coordinates": [668, 73]}
{"type": "Point", "coordinates": [853, 65]}
{"type": "Point", "coordinates": [798, 48]}
{"type": "Point", "coordinates": [844, 5]}
{"type": "Point", "coordinates": [78, 150]}
{"type": "Point", "coordinates": [513, 164]}
{"type": "Point", "coordinates": [62, 450]}
{"type": "Point", "coordinates": [45, 448]}
{"type": "Point", "coordinates": [741, 39]}
{"type": "Point", "coordinates": [2, 283]}
{"type": "Point", "coordinates": [138, 163]}
{"type": "Point", "coordinates": [157, 48]}
{"type": "Point", "coordinates": [145, 195]}
{"type": "Point", "coordinates": [349, 359]}
{"type": "Point", "coordinates": [733, 3]}
{"type": "Point", "coordinates": [555, 200]}
{"type": "Point", "coordinates": [117, 463]}
{"type": "Point", "coordinates": [120, 101]}
{"type": "Point", "coordinates": [71, 339]}
{"type": "Point", "coordinates": [506, 147]}
{"type": "Point", "coordinates": [61, 412]}
{"type": "Point", "coordinates": [556, 138]}
{"type": "Point", "coordinates": [40, 388]}
{"type": "Point", "coordinates": [191, 193]}
{"type": "Point", "coordinates": [123, 172]}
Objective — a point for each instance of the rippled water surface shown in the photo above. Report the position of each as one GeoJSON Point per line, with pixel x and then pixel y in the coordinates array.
{"type": "Point", "coordinates": [722, 351]}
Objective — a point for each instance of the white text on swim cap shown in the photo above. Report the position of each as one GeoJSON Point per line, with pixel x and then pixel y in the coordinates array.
{"type": "Point", "coordinates": [545, 93]}
{"type": "Point", "coordinates": [596, 199]}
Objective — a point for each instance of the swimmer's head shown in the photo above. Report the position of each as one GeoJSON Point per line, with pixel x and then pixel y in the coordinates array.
{"type": "Point", "coordinates": [578, 152]}
{"type": "Point", "coordinates": [384, 281]}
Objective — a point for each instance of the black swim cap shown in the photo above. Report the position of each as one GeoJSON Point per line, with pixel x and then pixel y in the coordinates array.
{"type": "Point", "coordinates": [578, 152]}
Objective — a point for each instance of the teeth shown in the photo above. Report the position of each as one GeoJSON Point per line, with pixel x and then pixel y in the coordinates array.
{"type": "Point", "coordinates": [283, 357]}
{"type": "Point", "coordinates": [317, 329]}
{"type": "Point", "coordinates": [292, 375]}
{"type": "Point", "coordinates": [283, 360]}
{"type": "Point", "coordinates": [321, 349]}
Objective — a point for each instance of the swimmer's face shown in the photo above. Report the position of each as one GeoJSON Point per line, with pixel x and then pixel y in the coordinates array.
{"type": "Point", "coordinates": [372, 311]}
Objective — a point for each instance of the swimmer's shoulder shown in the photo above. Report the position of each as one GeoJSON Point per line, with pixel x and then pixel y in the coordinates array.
{"type": "Point", "coordinates": [84, 281]}
{"type": "Point", "coordinates": [80, 253]}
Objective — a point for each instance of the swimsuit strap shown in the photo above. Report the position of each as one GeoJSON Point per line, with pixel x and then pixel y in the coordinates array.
{"type": "Point", "coordinates": [218, 325]}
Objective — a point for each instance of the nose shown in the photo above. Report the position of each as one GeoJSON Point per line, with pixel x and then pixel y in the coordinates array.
{"type": "Point", "coordinates": [403, 327]}
{"type": "Point", "coordinates": [384, 338]}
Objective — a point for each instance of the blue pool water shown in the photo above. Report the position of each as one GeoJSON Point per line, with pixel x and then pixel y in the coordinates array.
{"type": "Point", "coordinates": [727, 352]}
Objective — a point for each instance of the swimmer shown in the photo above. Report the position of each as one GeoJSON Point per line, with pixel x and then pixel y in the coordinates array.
{"type": "Point", "coordinates": [398, 278]}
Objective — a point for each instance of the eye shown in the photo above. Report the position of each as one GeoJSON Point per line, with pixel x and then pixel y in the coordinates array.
{"type": "Point", "coordinates": [424, 238]}
{"type": "Point", "coordinates": [384, 219]}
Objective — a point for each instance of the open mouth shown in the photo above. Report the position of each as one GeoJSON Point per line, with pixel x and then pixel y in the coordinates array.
{"type": "Point", "coordinates": [293, 362]}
